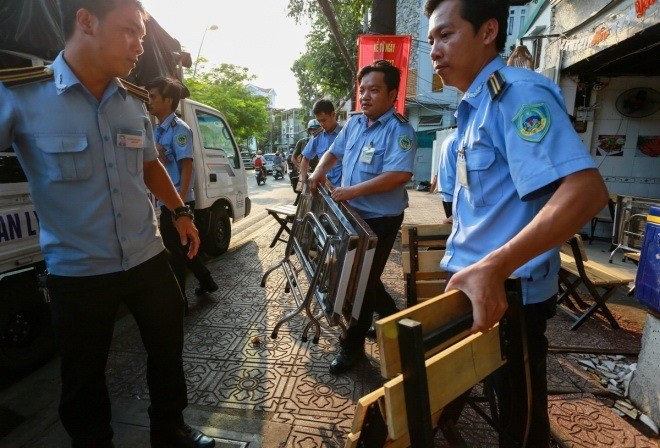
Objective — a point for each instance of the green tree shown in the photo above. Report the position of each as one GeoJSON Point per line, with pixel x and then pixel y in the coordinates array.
{"type": "Point", "coordinates": [322, 70]}
{"type": "Point", "coordinates": [223, 88]}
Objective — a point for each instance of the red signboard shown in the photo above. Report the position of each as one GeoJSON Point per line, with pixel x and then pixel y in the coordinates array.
{"type": "Point", "coordinates": [394, 49]}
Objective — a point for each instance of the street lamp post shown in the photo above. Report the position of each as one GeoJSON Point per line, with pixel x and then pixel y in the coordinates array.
{"type": "Point", "coordinates": [212, 28]}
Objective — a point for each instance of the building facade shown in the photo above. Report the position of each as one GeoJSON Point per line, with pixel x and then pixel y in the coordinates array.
{"type": "Point", "coordinates": [601, 54]}
{"type": "Point", "coordinates": [293, 128]}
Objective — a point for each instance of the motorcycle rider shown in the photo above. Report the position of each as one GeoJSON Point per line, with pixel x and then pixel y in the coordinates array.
{"type": "Point", "coordinates": [260, 166]}
{"type": "Point", "coordinates": [260, 162]}
{"type": "Point", "coordinates": [278, 164]}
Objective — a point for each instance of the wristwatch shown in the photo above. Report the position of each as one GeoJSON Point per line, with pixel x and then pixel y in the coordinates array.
{"type": "Point", "coordinates": [182, 211]}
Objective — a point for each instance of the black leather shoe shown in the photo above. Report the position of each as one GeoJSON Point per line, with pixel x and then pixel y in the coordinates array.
{"type": "Point", "coordinates": [205, 286]}
{"type": "Point", "coordinates": [371, 332]}
{"type": "Point", "coordinates": [184, 436]}
{"type": "Point", "coordinates": [347, 359]}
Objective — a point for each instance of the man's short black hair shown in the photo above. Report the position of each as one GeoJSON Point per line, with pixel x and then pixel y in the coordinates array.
{"type": "Point", "coordinates": [69, 9]}
{"type": "Point", "coordinates": [169, 88]}
{"type": "Point", "coordinates": [478, 12]}
{"type": "Point", "coordinates": [391, 73]}
{"type": "Point", "coordinates": [323, 107]}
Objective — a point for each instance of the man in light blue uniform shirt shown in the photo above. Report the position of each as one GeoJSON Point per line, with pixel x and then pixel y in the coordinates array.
{"type": "Point", "coordinates": [324, 112]}
{"type": "Point", "coordinates": [85, 142]}
{"type": "Point", "coordinates": [377, 154]}
{"type": "Point", "coordinates": [522, 177]}
{"type": "Point", "coordinates": [174, 141]}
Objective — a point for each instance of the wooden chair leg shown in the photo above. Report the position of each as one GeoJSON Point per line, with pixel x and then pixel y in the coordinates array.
{"type": "Point", "coordinates": [601, 301]}
{"type": "Point", "coordinates": [569, 297]}
{"type": "Point", "coordinates": [599, 305]}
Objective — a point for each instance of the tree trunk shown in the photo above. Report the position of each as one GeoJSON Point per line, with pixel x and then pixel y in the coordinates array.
{"type": "Point", "coordinates": [383, 17]}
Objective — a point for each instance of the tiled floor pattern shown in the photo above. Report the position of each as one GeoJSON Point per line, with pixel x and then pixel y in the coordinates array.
{"type": "Point", "coordinates": [231, 362]}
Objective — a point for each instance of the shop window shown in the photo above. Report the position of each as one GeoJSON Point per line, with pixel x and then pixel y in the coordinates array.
{"type": "Point", "coordinates": [430, 120]}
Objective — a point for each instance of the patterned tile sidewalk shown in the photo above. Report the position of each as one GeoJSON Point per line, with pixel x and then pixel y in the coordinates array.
{"type": "Point", "coordinates": [233, 367]}
{"type": "Point", "coordinates": [285, 379]}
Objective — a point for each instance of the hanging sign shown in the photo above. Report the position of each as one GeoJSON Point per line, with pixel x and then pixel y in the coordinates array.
{"type": "Point", "coordinates": [395, 50]}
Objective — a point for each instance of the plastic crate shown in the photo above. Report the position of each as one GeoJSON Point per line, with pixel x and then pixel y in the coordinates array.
{"type": "Point", "coordinates": [647, 283]}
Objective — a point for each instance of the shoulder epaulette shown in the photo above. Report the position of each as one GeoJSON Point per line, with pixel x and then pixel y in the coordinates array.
{"type": "Point", "coordinates": [316, 132]}
{"type": "Point", "coordinates": [137, 92]}
{"type": "Point", "coordinates": [400, 117]}
{"type": "Point", "coordinates": [496, 84]}
{"type": "Point", "coordinates": [16, 77]}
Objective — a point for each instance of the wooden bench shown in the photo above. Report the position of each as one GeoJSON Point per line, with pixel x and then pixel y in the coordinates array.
{"type": "Point", "coordinates": [433, 362]}
{"type": "Point", "coordinates": [284, 215]}
{"type": "Point", "coordinates": [632, 256]}
{"type": "Point", "coordinates": [422, 249]}
{"type": "Point", "coordinates": [577, 269]}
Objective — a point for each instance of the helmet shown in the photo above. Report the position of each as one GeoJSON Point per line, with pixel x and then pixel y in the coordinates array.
{"type": "Point", "coordinates": [260, 152]}
{"type": "Point", "coordinates": [313, 124]}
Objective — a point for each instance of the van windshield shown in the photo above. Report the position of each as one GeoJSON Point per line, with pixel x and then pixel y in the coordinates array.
{"type": "Point", "coordinates": [215, 136]}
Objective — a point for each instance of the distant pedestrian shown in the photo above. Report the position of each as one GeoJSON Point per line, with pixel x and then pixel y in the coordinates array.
{"type": "Point", "coordinates": [313, 127]}
{"type": "Point", "coordinates": [67, 122]}
{"type": "Point", "coordinates": [174, 142]}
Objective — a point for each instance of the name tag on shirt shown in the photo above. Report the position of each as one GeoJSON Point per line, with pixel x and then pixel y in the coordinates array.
{"type": "Point", "coordinates": [461, 168]}
{"type": "Point", "coordinates": [130, 138]}
{"type": "Point", "coordinates": [367, 154]}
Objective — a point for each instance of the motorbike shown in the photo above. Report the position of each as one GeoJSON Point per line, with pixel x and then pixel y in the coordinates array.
{"type": "Point", "coordinates": [278, 172]}
{"type": "Point", "coordinates": [260, 174]}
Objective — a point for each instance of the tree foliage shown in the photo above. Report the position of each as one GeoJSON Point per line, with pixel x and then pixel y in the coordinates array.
{"type": "Point", "coordinates": [322, 71]}
{"type": "Point", "coordinates": [223, 88]}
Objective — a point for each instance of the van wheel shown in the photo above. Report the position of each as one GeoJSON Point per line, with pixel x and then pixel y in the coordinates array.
{"type": "Point", "coordinates": [219, 232]}
{"type": "Point", "coordinates": [26, 333]}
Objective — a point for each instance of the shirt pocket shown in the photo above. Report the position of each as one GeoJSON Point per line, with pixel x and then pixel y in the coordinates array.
{"type": "Point", "coordinates": [374, 168]}
{"type": "Point", "coordinates": [483, 178]}
{"type": "Point", "coordinates": [67, 156]}
{"type": "Point", "coordinates": [135, 159]}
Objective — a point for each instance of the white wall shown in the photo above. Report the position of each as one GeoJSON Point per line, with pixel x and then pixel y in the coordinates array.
{"type": "Point", "coordinates": [632, 173]}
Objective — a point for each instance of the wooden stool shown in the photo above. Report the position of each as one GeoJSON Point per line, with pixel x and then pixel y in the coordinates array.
{"type": "Point", "coordinates": [283, 214]}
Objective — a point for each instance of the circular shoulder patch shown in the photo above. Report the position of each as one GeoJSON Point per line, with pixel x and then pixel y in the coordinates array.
{"type": "Point", "coordinates": [532, 122]}
{"type": "Point", "coordinates": [405, 142]}
{"type": "Point", "coordinates": [181, 139]}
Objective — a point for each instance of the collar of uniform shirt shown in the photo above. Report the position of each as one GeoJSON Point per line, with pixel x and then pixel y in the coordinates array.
{"type": "Point", "coordinates": [382, 119]}
{"type": "Point", "coordinates": [167, 122]}
{"type": "Point", "coordinates": [477, 87]}
{"type": "Point", "coordinates": [65, 79]}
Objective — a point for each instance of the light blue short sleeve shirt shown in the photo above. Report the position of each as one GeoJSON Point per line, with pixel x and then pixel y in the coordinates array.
{"type": "Point", "coordinates": [318, 145]}
{"type": "Point", "coordinates": [84, 162]}
{"type": "Point", "coordinates": [367, 151]}
{"type": "Point", "coordinates": [447, 167]}
{"type": "Point", "coordinates": [176, 138]}
{"type": "Point", "coordinates": [517, 146]}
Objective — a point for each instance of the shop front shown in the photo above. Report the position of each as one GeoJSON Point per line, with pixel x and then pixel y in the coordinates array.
{"type": "Point", "coordinates": [606, 61]}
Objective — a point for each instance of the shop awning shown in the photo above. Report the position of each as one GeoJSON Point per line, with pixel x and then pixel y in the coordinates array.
{"type": "Point", "coordinates": [632, 56]}
{"type": "Point", "coordinates": [620, 39]}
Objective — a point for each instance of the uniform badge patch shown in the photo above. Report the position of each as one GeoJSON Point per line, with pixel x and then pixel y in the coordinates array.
{"type": "Point", "coordinates": [181, 139]}
{"type": "Point", "coordinates": [405, 142]}
{"type": "Point", "coordinates": [532, 122]}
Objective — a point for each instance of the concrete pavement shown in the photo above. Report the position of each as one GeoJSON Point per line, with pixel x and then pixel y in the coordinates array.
{"type": "Point", "coordinates": [244, 388]}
